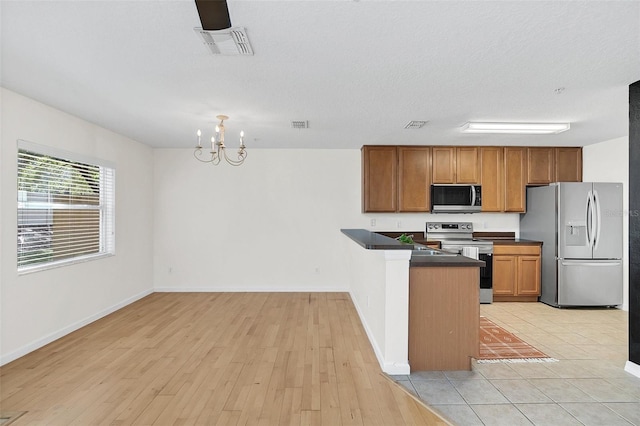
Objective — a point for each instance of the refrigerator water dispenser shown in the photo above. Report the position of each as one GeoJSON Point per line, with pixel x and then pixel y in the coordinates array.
{"type": "Point", "coordinates": [576, 233]}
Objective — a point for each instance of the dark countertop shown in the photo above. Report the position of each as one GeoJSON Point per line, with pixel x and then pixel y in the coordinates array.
{"type": "Point", "coordinates": [504, 238]}
{"type": "Point", "coordinates": [513, 242]}
{"type": "Point", "coordinates": [374, 241]}
{"type": "Point", "coordinates": [449, 261]}
{"type": "Point", "coordinates": [498, 238]}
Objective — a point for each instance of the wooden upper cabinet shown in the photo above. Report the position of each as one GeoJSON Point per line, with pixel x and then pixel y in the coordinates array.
{"type": "Point", "coordinates": [379, 178]}
{"type": "Point", "coordinates": [399, 178]}
{"type": "Point", "coordinates": [443, 168]}
{"type": "Point", "coordinates": [568, 167]}
{"type": "Point", "coordinates": [541, 162]}
{"type": "Point", "coordinates": [467, 170]}
{"type": "Point", "coordinates": [453, 164]}
{"type": "Point", "coordinates": [492, 178]}
{"type": "Point", "coordinates": [515, 179]}
{"type": "Point", "coordinates": [414, 179]}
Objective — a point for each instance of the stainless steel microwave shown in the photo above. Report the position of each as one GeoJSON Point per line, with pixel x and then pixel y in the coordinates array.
{"type": "Point", "coordinates": [456, 198]}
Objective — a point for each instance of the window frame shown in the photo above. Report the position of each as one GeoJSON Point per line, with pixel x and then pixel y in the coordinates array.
{"type": "Point", "coordinates": [105, 206]}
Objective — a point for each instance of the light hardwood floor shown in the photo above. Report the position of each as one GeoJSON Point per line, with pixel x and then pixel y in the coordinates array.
{"type": "Point", "coordinates": [213, 358]}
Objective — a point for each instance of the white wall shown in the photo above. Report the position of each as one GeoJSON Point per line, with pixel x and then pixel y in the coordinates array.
{"type": "Point", "coordinates": [39, 307]}
{"type": "Point", "coordinates": [272, 224]}
{"type": "Point", "coordinates": [609, 162]}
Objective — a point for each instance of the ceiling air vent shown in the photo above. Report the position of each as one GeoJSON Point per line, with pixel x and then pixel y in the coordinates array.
{"type": "Point", "coordinates": [230, 41]}
{"type": "Point", "coordinates": [415, 124]}
{"type": "Point", "coordinates": [300, 124]}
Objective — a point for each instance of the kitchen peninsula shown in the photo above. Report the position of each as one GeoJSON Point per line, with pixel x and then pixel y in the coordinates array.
{"type": "Point", "coordinates": [420, 308]}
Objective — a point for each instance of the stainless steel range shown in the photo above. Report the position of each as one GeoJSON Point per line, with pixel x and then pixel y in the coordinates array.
{"type": "Point", "coordinates": [457, 237]}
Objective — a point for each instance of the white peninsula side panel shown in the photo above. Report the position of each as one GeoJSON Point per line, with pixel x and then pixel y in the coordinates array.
{"type": "Point", "coordinates": [379, 288]}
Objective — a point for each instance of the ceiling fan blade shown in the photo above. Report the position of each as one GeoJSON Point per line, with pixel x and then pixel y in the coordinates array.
{"type": "Point", "coordinates": [214, 14]}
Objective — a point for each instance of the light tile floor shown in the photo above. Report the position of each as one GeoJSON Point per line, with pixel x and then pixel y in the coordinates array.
{"type": "Point", "coordinates": [587, 386]}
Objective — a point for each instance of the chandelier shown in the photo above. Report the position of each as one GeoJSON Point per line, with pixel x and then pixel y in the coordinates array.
{"type": "Point", "coordinates": [218, 149]}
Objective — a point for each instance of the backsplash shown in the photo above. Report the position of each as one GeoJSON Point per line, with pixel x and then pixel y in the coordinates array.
{"type": "Point", "coordinates": [498, 222]}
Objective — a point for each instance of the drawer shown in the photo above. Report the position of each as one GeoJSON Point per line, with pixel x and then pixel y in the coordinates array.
{"type": "Point", "coordinates": [516, 249]}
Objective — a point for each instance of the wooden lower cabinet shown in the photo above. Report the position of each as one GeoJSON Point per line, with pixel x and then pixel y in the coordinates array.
{"type": "Point", "coordinates": [504, 275]}
{"type": "Point", "coordinates": [516, 273]}
{"type": "Point", "coordinates": [444, 317]}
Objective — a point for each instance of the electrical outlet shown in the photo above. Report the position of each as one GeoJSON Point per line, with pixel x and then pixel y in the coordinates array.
{"type": "Point", "coordinates": [399, 224]}
{"type": "Point", "coordinates": [373, 222]}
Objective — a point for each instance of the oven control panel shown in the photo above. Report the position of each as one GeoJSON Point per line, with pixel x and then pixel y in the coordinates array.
{"type": "Point", "coordinates": [466, 227]}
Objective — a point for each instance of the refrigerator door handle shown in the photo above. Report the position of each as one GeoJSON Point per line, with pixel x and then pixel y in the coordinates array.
{"type": "Point", "coordinates": [588, 220]}
{"type": "Point", "coordinates": [601, 264]}
{"type": "Point", "coordinates": [596, 202]}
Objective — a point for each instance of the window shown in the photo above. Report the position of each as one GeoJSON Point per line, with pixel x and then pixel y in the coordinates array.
{"type": "Point", "coordinates": [65, 208]}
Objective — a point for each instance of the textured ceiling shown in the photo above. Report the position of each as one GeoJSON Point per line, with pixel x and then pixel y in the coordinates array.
{"type": "Point", "coordinates": [358, 71]}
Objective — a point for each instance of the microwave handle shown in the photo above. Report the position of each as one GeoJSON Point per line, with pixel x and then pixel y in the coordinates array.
{"type": "Point", "coordinates": [473, 195]}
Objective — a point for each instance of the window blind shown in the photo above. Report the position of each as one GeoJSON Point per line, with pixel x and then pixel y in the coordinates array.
{"type": "Point", "coordinates": [65, 209]}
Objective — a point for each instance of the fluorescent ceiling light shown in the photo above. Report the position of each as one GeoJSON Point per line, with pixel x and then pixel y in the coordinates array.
{"type": "Point", "coordinates": [521, 128]}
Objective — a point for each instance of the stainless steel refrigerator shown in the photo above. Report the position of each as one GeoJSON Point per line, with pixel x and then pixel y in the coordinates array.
{"type": "Point", "coordinates": [580, 226]}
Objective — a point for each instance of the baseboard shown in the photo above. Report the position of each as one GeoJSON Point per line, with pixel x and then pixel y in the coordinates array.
{"type": "Point", "coordinates": [387, 367]}
{"type": "Point", "coordinates": [69, 329]}
{"type": "Point", "coordinates": [396, 369]}
{"type": "Point", "coordinates": [374, 344]}
{"type": "Point", "coordinates": [251, 290]}
{"type": "Point", "coordinates": [632, 368]}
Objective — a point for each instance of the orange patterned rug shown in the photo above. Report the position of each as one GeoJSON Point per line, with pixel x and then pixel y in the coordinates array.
{"type": "Point", "coordinates": [498, 345]}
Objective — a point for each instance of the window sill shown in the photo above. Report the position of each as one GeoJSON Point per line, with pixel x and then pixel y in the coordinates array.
{"type": "Point", "coordinates": [67, 262]}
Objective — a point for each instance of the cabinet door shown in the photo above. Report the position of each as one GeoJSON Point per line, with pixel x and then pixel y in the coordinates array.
{"type": "Point", "coordinates": [467, 165]}
{"type": "Point", "coordinates": [504, 275]}
{"type": "Point", "coordinates": [414, 179]}
{"type": "Point", "coordinates": [492, 178]}
{"type": "Point", "coordinates": [444, 164]}
{"type": "Point", "coordinates": [568, 164]}
{"type": "Point", "coordinates": [541, 161]}
{"type": "Point", "coordinates": [379, 178]}
{"type": "Point", "coordinates": [515, 173]}
{"type": "Point", "coordinates": [528, 276]}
